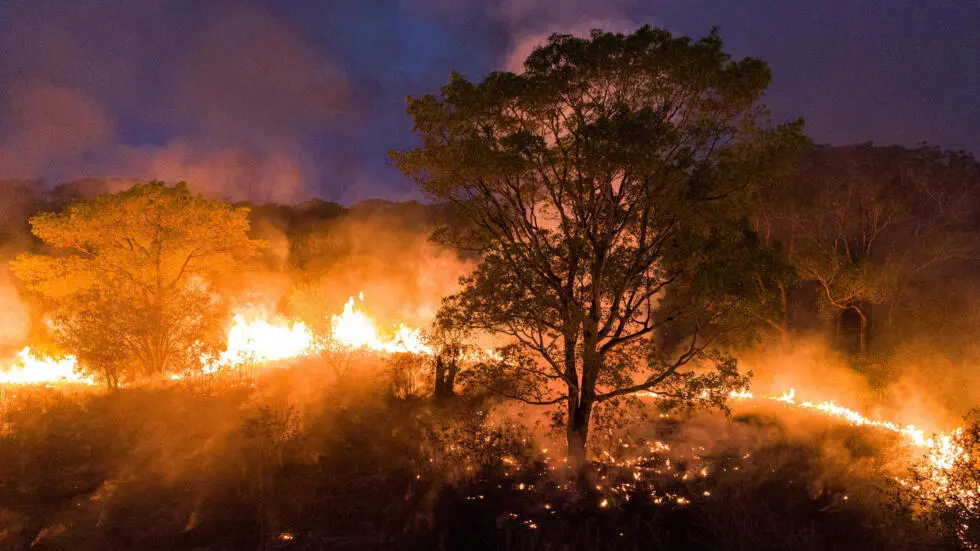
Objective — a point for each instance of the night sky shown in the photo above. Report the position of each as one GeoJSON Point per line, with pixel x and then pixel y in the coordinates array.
{"type": "Point", "coordinates": [285, 100]}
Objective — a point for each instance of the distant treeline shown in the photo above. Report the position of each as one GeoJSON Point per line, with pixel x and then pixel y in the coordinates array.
{"type": "Point", "coordinates": [883, 241]}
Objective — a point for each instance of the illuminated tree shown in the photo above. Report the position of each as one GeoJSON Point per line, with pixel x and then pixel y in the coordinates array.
{"type": "Point", "coordinates": [602, 187]}
{"type": "Point", "coordinates": [129, 277]}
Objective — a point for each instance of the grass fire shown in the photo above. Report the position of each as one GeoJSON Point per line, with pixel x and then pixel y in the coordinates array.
{"type": "Point", "coordinates": [631, 308]}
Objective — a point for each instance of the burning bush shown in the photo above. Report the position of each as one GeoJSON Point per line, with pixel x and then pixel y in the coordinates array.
{"type": "Point", "coordinates": [946, 489]}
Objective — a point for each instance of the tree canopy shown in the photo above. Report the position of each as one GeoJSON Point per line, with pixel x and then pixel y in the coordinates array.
{"type": "Point", "coordinates": [129, 277]}
{"type": "Point", "coordinates": [603, 188]}
{"type": "Point", "coordinates": [864, 226]}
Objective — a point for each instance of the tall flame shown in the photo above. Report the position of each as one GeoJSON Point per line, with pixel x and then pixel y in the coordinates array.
{"type": "Point", "coordinates": [355, 329]}
{"type": "Point", "coordinates": [252, 338]}
{"type": "Point", "coordinates": [261, 341]}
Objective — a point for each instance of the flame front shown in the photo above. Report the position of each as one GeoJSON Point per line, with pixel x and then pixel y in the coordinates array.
{"type": "Point", "coordinates": [915, 436]}
{"type": "Point", "coordinates": [30, 369]}
{"type": "Point", "coordinates": [354, 329]}
{"type": "Point", "coordinates": [261, 341]}
{"type": "Point", "coordinates": [253, 338]}
{"type": "Point", "coordinates": [942, 452]}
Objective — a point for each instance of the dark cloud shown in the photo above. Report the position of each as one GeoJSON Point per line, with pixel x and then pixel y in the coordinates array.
{"type": "Point", "coordinates": [281, 101]}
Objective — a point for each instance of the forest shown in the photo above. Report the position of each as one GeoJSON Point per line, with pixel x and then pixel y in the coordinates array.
{"type": "Point", "coordinates": [631, 312]}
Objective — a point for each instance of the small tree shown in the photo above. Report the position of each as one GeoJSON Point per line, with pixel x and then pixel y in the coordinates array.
{"type": "Point", "coordinates": [449, 338]}
{"type": "Point", "coordinates": [130, 276]}
{"type": "Point", "coordinates": [602, 188]}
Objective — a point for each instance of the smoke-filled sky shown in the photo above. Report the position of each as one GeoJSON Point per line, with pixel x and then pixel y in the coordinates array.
{"type": "Point", "coordinates": [282, 101]}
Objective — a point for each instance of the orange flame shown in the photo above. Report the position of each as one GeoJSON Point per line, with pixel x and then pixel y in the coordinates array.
{"type": "Point", "coordinates": [261, 341]}
{"type": "Point", "coordinates": [941, 449]}
{"type": "Point", "coordinates": [355, 329]}
{"type": "Point", "coordinates": [31, 369]}
{"type": "Point", "coordinates": [914, 435]}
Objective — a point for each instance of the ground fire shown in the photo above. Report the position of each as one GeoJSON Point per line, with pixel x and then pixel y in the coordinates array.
{"type": "Point", "coordinates": [604, 289]}
{"type": "Point", "coordinates": [262, 342]}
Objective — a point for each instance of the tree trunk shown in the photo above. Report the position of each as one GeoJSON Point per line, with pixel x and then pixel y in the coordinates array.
{"type": "Point", "coordinates": [784, 333]}
{"type": "Point", "coordinates": [575, 437]}
{"type": "Point", "coordinates": [445, 382]}
{"type": "Point", "coordinates": [111, 374]}
{"type": "Point", "coordinates": [577, 434]}
{"type": "Point", "coordinates": [153, 360]}
{"type": "Point", "coordinates": [863, 332]}
{"type": "Point", "coordinates": [580, 416]}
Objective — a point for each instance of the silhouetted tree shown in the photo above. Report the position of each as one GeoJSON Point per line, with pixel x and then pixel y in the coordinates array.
{"type": "Point", "coordinates": [602, 188]}
{"type": "Point", "coordinates": [451, 352]}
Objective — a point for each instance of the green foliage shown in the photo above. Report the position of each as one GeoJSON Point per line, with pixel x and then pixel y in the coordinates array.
{"type": "Point", "coordinates": [130, 277]}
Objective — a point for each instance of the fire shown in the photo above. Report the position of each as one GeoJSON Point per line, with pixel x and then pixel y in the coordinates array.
{"type": "Point", "coordinates": [256, 339]}
{"type": "Point", "coordinates": [31, 369]}
{"type": "Point", "coordinates": [261, 341]}
{"type": "Point", "coordinates": [911, 433]}
{"type": "Point", "coordinates": [941, 450]}
{"type": "Point", "coordinates": [253, 338]}
{"type": "Point", "coordinates": [355, 329]}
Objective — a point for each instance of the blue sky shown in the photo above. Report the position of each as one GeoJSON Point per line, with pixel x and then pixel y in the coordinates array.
{"type": "Point", "coordinates": [282, 101]}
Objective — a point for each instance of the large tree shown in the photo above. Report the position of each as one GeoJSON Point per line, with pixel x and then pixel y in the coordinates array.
{"type": "Point", "coordinates": [866, 226]}
{"type": "Point", "coordinates": [129, 277]}
{"type": "Point", "coordinates": [602, 188]}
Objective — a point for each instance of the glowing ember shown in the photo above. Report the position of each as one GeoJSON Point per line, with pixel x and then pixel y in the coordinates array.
{"type": "Point", "coordinates": [31, 369]}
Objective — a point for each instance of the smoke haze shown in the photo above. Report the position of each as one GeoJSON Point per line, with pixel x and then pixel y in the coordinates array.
{"type": "Point", "coordinates": [271, 102]}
